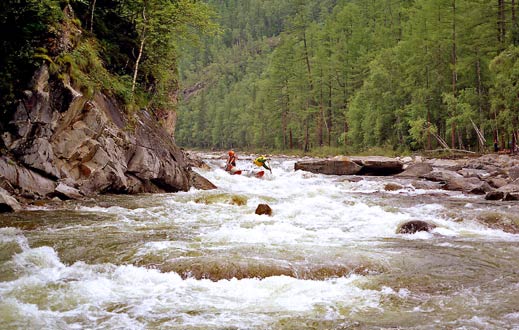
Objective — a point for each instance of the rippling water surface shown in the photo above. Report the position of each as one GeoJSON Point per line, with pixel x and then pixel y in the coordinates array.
{"type": "Point", "coordinates": [328, 258]}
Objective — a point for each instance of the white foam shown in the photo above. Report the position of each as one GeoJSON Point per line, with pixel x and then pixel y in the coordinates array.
{"type": "Point", "coordinates": [50, 293]}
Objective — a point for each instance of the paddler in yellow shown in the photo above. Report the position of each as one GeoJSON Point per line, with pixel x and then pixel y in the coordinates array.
{"type": "Point", "coordinates": [262, 161]}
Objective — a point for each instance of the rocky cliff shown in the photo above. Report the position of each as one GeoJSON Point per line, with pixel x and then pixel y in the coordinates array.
{"type": "Point", "coordinates": [60, 143]}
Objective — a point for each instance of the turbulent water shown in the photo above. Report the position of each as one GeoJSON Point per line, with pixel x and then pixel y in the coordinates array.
{"type": "Point", "coordinates": [328, 258]}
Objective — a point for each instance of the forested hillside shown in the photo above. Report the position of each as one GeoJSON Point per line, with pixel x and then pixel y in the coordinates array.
{"type": "Point", "coordinates": [354, 74]}
{"type": "Point", "coordinates": [126, 48]}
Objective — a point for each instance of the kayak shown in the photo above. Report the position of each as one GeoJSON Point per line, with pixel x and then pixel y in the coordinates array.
{"type": "Point", "coordinates": [235, 171]}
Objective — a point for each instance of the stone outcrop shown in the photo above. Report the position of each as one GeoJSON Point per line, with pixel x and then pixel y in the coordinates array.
{"type": "Point", "coordinates": [61, 143]}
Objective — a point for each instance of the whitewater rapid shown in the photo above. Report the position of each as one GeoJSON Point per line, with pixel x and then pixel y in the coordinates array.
{"type": "Point", "coordinates": [328, 258]}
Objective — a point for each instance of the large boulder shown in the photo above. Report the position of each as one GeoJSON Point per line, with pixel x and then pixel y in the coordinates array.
{"type": "Point", "coordinates": [378, 165]}
{"type": "Point", "coordinates": [329, 166]}
{"type": "Point", "coordinates": [441, 175]}
{"type": "Point", "coordinates": [469, 185]}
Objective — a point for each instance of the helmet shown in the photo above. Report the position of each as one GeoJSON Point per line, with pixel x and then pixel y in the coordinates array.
{"type": "Point", "coordinates": [231, 153]}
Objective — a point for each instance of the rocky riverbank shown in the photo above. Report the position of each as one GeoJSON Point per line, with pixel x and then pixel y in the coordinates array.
{"type": "Point", "coordinates": [493, 175]}
{"type": "Point", "coordinates": [60, 144]}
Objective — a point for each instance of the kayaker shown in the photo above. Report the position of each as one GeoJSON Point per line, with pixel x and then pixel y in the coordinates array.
{"type": "Point", "coordinates": [262, 161]}
{"type": "Point", "coordinates": [231, 161]}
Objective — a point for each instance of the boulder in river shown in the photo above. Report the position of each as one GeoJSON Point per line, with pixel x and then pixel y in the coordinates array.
{"type": "Point", "coordinates": [329, 166]}
{"type": "Point", "coordinates": [263, 209]}
{"type": "Point", "coordinates": [471, 185]}
{"type": "Point", "coordinates": [494, 195]}
{"type": "Point", "coordinates": [441, 175]}
{"type": "Point", "coordinates": [414, 226]}
{"type": "Point", "coordinates": [378, 165]}
{"type": "Point", "coordinates": [392, 186]}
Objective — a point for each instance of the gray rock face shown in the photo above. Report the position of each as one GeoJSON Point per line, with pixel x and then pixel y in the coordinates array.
{"type": "Point", "coordinates": [58, 134]}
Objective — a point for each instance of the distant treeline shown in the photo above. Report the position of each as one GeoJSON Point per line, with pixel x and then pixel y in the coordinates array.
{"type": "Point", "coordinates": [400, 74]}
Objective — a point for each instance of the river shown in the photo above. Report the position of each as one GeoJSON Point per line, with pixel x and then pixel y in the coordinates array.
{"type": "Point", "coordinates": [328, 258]}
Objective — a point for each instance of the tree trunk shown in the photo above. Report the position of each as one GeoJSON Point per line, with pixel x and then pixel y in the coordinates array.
{"type": "Point", "coordinates": [307, 136]}
{"type": "Point", "coordinates": [284, 121]}
{"type": "Point", "coordinates": [291, 140]}
{"type": "Point", "coordinates": [480, 96]}
{"type": "Point", "coordinates": [454, 72]}
{"type": "Point", "coordinates": [320, 117]}
{"type": "Point", "coordinates": [514, 18]}
{"type": "Point", "coordinates": [329, 120]}
{"type": "Point", "coordinates": [501, 21]}
{"type": "Point", "coordinates": [92, 15]}
{"type": "Point", "coordinates": [141, 48]}
{"type": "Point", "coordinates": [307, 60]}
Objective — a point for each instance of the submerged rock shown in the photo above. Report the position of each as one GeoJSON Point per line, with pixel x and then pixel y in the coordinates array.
{"type": "Point", "coordinates": [391, 186]}
{"type": "Point", "coordinates": [414, 226]}
{"type": "Point", "coordinates": [507, 222]}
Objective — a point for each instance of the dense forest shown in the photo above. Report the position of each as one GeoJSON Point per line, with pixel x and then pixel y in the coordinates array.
{"type": "Point", "coordinates": [346, 75]}
{"type": "Point", "coordinates": [354, 74]}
